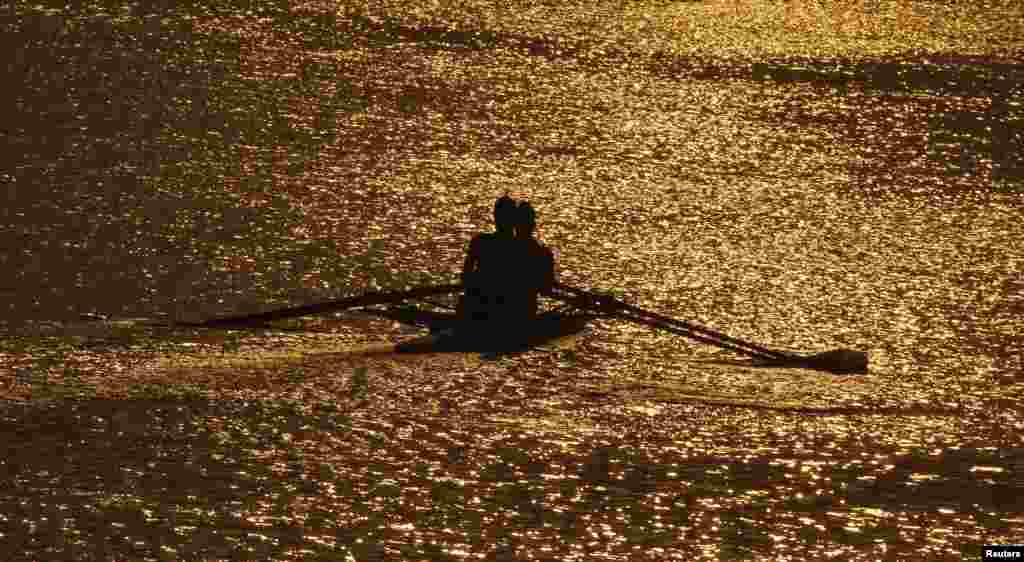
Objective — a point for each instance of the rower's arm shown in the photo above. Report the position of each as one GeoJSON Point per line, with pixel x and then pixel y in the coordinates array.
{"type": "Point", "coordinates": [549, 270]}
{"type": "Point", "coordinates": [472, 261]}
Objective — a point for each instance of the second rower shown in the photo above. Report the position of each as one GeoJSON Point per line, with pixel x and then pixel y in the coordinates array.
{"type": "Point", "coordinates": [536, 263]}
{"type": "Point", "coordinates": [504, 273]}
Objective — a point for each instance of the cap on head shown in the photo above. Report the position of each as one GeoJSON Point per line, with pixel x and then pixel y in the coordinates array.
{"type": "Point", "coordinates": [505, 211]}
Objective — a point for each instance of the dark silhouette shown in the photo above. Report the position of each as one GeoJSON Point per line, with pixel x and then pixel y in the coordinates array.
{"type": "Point", "coordinates": [488, 271]}
{"type": "Point", "coordinates": [505, 272]}
{"type": "Point", "coordinates": [537, 266]}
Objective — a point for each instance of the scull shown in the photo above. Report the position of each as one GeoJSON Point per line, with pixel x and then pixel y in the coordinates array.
{"type": "Point", "coordinates": [447, 333]}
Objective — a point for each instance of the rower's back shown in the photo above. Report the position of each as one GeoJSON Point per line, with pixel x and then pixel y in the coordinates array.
{"type": "Point", "coordinates": [536, 268]}
{"type": "Point", "coordinates": [492, 262]}
{"type": "Point", "coordinates": [488, 274]}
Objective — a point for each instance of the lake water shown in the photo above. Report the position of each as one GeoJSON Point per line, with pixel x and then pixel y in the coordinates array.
{"type": "Point", "coordinates": [806, 175]}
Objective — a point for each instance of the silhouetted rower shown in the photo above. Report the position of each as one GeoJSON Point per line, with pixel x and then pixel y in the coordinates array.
{"type": "Point", "coordinates": [488, 273]}
{"type": "Point", "coordinates": [536, 272]}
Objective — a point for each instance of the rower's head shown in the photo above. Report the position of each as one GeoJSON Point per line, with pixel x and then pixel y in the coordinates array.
{"type": "Point", "coordinates": [526, 219]}
{"type": "Point", "coordinates": [505, 213]}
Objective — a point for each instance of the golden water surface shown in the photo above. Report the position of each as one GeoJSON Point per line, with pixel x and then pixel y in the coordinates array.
{"type": "Point", "coordinates": [806, 175]}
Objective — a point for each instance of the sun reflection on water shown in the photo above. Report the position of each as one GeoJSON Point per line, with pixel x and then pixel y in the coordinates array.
{"type": "Point", "coordinates": [806, 175]}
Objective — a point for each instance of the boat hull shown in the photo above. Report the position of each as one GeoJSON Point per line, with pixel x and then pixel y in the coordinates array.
{"type": "Point", "coordinates": [452, 336]}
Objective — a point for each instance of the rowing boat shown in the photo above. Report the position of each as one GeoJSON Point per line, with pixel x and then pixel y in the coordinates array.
{"type": "Point", "coordinates": [448, 334]}
{"type": "Point", "coordinates": [579, 306]}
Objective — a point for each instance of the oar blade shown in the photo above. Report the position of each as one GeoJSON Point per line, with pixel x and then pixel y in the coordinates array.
{"type": "Point", "coordinates": [847, 361]}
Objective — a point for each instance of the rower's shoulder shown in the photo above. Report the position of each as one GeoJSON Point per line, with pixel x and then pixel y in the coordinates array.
{"type": "Point", "coordinates": [538, 247]}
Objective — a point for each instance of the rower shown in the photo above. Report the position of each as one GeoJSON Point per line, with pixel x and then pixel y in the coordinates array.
{"type": "Point", "coordinates": [537, 269]}
{"type": "Point", "coordinates": [488, 270]}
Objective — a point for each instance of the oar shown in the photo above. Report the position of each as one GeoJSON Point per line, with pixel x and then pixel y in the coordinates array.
{"type": "Point", "coordinates": [838, 360]}
{"type": "Point", "coordinates": [366, 299]}
{"type": "Point", "coordinates": [717, 342]}
{"type": "Point", "coordinates": [682, 327]}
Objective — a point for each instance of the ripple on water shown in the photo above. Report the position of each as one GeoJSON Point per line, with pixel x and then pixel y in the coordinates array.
{"type": "Point", "coordinates": [787, 174]}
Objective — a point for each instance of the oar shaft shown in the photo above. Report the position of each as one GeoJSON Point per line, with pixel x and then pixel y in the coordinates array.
{"type": "Point", "coordinates": [701, 338]}
{"type": "Point", "coordinates": [366, 299]}
{"type": "Point", "coordinates": [764, 351]}
{"type": "Point", "coordinates": [660, 321]}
